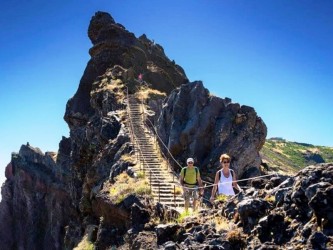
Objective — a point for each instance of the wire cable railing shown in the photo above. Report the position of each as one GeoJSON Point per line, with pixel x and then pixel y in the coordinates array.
{"type": "Point", "coordinates": [178, 164]}
{"type": "Point", "coordinates": [139, 151]}
{"type": "Point", "coordinates": [145, 121]}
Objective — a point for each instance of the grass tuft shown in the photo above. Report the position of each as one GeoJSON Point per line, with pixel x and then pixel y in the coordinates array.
{"type": "Point", "coordinates": [236, 239]}
{"type": "Point", "coordinates": [85, 244]}
{"type": "Point", "coordinates": [125, 185]}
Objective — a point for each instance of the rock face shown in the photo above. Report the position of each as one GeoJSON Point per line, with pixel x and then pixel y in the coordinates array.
{"type": "Point", "coordinates": [35, 206]}
{"type": "Point", "coordinates": [292, 213]}
{"type": "Point", "coordinates": [195, 124]}
{"type": "Point", "coordinates": [54, 200]}
{"type": "Point", "coordinates": [114, 45]}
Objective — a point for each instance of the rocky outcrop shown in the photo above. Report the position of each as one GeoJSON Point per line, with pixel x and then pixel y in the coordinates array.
{"type": "Point", "coordinates": [98, 136]}
{"type": "Point", "coordinates": [35, 206]}
{"type": "Point", "coordinates": [197, 124]}
{"type": "Point", "coordinates": [258, 218]}
{"type": "Point", "coordinates": [114, 45]}
{"type": "Point", "coordinates": [53, 200]}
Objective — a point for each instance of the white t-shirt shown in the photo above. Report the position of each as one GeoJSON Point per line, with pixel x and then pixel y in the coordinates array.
{"type": "Point", "coordinates": [225, 184]}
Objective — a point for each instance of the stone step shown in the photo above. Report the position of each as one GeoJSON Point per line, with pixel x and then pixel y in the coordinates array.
{"type": "Point", "coordinates": [151, 161]}
{"type": "Point", "coordinates": [164, 186]}
{"type": "Point", "coordinates": [153, 168]}
{"type": "Point", "coordinates": [161, 180]}
{"type": "Point", "coordinates": [171, 205]}
{"type": "Point", "coordinates": [159, 175]}
{"type": "Point", "coordinates": [165, 189]}
{"type": "Point", "coordinates": [165, 193]}
{"type": "Point", "coordinates": [170, 201]}
{"type": "Point", "coordinates": [167, 197]}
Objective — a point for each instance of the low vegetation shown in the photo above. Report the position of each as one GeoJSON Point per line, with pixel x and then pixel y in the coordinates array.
{"type": "Point", "coordinates": [222, 224]}
{"type": "Point", "coordinates": [125, 185]}
{"type": "Point", "coordinates": [222, 198]}
{"type": "Point", "coordinates": [148, 93]}
{"type": "Point", "coordinates": [183, 216]}
{"type": "Point", "coordinates": [177, 190]}
{"type": "Point", "coordinates": [85, 244]}
{"type": "Point", "coordinates": [237, 239]}
{"type": "Point", "coordinates": [289, 157]}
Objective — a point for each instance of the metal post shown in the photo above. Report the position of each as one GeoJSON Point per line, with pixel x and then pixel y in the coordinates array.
{"type": "Point", "coordinates": [137, 155]}
{"type": "Point", "coordinates": [143, 110]}
{"type": "Point", "coordinates": [150, 181]}
{"type": "Point", "coordinates": [159, 192]}
{"type": "Point", "coordinates": [174, 195]}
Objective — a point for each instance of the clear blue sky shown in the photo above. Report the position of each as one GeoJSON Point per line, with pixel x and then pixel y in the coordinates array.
{"type": "Point", "coordinates": [276, 56]}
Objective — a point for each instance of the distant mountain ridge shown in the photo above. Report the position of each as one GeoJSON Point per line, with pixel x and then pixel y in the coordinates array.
{"type": "Point", "coordinates": [281, 155]}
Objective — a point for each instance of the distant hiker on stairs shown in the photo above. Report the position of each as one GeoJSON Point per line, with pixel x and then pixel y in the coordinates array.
{"type": "Point", "coordinates": [190, 180]}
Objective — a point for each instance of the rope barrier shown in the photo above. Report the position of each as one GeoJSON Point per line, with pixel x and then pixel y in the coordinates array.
{"type": "Point", "coordinates": [134, 136]}
{"type": "Point", "coordinates": [177, 163]}
{"type": "Point", "coordinates": [227, 182]}
{"type": "Point", "coordinates": [163, 143]}
{"type": "Point", "coordinates": [211, 184]}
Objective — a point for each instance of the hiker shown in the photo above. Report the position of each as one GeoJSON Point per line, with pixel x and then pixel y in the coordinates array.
{"type": "Point", "coordinates": [190, 180]}
{"type": "Point", "coordinates": [140, 78]}
{"type": "Point", "coordinates": [225, 179]}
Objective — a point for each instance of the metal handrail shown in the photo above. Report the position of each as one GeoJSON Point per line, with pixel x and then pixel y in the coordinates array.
{"type": "Point", "coordinates": [135, 140]}
{"type": "Point", "coordinates": [163, 143]}
{"type": "Point", "coordinates": [160, 139]}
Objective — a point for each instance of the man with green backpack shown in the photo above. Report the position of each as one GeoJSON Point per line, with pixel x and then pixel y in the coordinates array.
{"type": "Point", "coordinates": [190, 180]}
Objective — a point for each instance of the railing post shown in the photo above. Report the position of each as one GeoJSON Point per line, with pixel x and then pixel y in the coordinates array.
{"type": "Point", "coordinates": [150, 181]}
{"type": "Point", "coordinates": [159, 192]}
{"type": "Point", "coordinates": [174, 195]}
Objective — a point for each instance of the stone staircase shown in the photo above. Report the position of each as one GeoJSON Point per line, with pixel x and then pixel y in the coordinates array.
{"type": "Point", "coordinates": [162, 180]}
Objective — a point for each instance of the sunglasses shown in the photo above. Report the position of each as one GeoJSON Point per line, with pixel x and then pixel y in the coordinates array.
{"type": "Point", "coordinates": [225, 162]}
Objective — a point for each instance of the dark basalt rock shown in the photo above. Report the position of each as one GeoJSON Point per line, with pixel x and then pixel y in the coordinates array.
{"type": "Point", "coordinates": [54, 200]}
{"type": "Point", "coordinates": [194, 123]}
{"type": "Point", "coordinates": [36, 205]}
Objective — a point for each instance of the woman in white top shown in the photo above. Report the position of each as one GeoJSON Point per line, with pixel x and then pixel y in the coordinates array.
{"type": "Point", "coordinates": [225, 181]}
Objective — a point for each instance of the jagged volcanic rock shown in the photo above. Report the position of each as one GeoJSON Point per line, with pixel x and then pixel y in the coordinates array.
{"type": "Point", "coordinates": [35, 206]}
{"type": "Point", "coordinates": [194, 123]}
{"type": "Point", "coordinates": [53, 201]}
{"type": "Point", "coordinates": [114, 45]}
